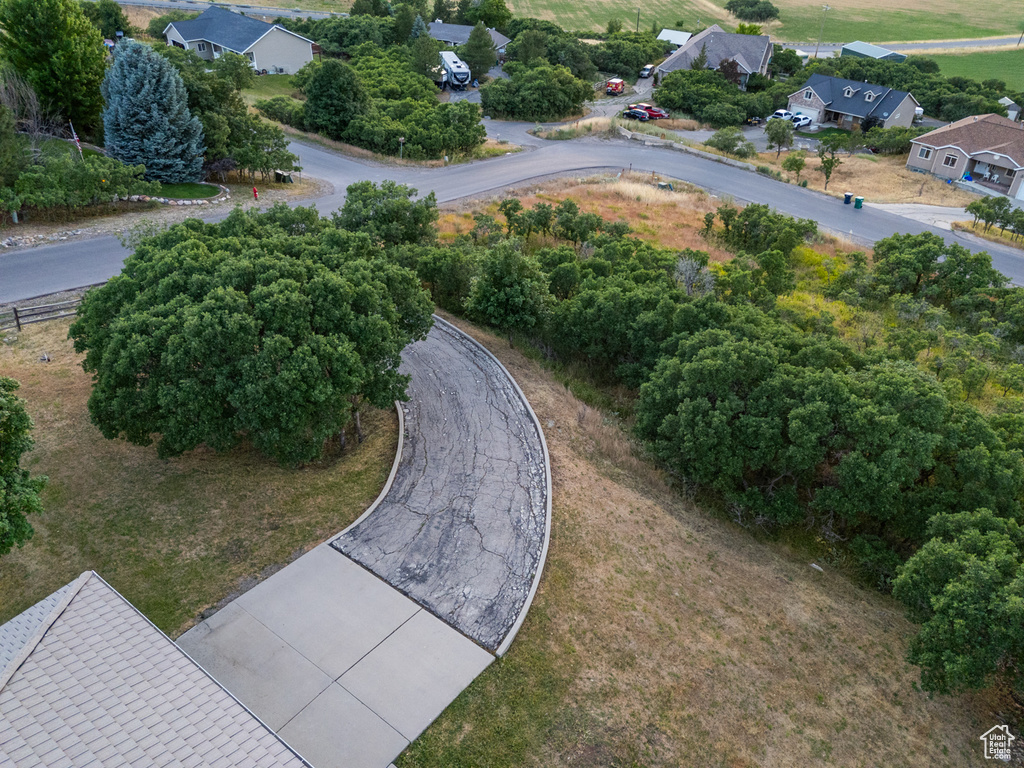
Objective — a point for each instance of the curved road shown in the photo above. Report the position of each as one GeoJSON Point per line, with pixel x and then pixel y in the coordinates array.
{"type": "Point", "coordinates": [47, 269]}
{"type": "Point", "coordinates": [352, 650]}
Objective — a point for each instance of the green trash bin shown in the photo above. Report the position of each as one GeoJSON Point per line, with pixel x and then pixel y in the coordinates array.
{"type": "Point", "coordinates": [858, 202]}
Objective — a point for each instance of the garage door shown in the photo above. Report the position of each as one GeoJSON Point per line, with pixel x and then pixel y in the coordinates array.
{"type": "Point", "coordinates": [811, 113]}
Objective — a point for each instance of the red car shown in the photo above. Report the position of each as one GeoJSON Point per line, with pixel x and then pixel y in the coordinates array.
{"type": "Point", "coordinates": [653, 112]}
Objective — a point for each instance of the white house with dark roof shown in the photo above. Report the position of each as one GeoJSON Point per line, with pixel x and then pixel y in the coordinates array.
{"type": "Point", "coordinates": [458, 34]}
{"type": "Point", "coordinates": [86, 681]}
{"type": "Point", "coordinates": [268, 47]}
{"type": "Point", "coordinates": [752, 53]}
{"type": "Point", "coordinates": [848, 102]}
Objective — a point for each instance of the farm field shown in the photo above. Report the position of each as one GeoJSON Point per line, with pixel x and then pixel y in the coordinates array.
{"type": "Point", "coordinates": [1007, 66]}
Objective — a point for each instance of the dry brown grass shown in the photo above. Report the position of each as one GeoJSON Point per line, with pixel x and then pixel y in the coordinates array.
{"type": "Point", "coordinates": [174, 536]}
{"type": "Point", "coordinates": [691, 643]}
{"type": "Point", "coordinates": [994, 235]}
{"type": "Point", "coordinates": [671, 219]}
{"type": "Point", "coordinates": [879, 179]}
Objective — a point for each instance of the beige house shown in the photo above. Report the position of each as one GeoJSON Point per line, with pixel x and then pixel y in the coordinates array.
{"type": "Point", "coordinates": [989, 149]}
{"type": "Point", "coordinates": [848, 102]}
{"type": "Point", "coordinates": [269, 47]}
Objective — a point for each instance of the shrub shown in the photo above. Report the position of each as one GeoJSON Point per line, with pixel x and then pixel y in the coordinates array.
{"type": "Point", "coordinates": [283, 110]}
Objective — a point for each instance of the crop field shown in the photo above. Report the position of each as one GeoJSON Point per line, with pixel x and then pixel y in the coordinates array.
{"type": "Point", "coordinates": [1007, 66]}
{"type": "Point", "coordinates": [870, 20]}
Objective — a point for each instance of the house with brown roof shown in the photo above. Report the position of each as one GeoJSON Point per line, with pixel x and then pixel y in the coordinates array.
{"type": "Point", "coordinates": [847, 103]}
{"type": "Point", "coordinates": [86, 681]}
{"type": "Point", "coordinates": [752, 53]}
{"type": "Point", "coordinates": [986, 149]}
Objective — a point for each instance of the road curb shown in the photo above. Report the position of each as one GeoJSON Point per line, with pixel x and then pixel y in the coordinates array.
{"type": "Point", "coordinates": [388, 483]}
{"type": "Point", "coordinates": [504, 646]}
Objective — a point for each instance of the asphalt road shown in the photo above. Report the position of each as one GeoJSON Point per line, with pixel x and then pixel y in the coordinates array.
{"type": "Point", "coordinates": [29, 272]}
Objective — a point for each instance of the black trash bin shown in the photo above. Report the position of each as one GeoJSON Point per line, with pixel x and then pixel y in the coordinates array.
{"type": "Point", "coordinates": [847, 198]}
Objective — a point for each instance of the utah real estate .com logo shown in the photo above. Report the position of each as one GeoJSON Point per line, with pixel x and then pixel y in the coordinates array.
{"type": "Point", "coordinates": [997, 742]}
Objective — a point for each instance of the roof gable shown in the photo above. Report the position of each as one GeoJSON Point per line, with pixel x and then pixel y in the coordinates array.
{"type": "Point", "coordinates": [980, 134]}
{"type": "Point", "coordinates": [95, 683]}
{"type": "Point", "coordinates": [458, 34]}
{"type": "Point", "coordinates": [852, 97]}
{"type": "Point", "coordinates": [720, 45]}
{"type": "Point", "coordinates": [227, 29]}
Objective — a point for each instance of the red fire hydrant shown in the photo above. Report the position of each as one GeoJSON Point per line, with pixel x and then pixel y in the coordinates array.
{"type": "Point", "coordinates": [255, 194]}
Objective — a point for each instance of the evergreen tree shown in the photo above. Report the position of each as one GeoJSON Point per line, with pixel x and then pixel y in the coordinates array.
{"type": "Point", "coordinates": [147, 120]}
{"type": "Point", "coordinates": [478, 52]}
{"type": "Point", "coordinates": [442, 11]}
{"type": "Point", "coordinates": [425, 61]}
{"type": "Point", "coordinates": [405, 19]}
{"type": "Point", "coordinates": [700, 61]}
{"type": "Point", "coordinates": [59, 53]}
{"type": "Point", "coordinates": [419, 28]}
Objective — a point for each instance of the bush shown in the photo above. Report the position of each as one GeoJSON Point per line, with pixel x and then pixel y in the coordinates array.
{"type": "Point", "coordinates": [731, 140]}
{"type": "Point", "coordinates": [68, 182]}
{"type": "Point", "coordinates": [720, 115]}
{"type": "Point", "coordinates": [541, 93]}
{"type": "Point", "coordinates": [752, 10]}
{"type": "Point", "coordinates": [283, 109]}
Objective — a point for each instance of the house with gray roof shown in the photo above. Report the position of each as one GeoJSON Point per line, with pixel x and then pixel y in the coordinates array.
{"type": "Point", "coordinates": [847, 103]}
{"type": "Point", "coordinates": [752, 53]}
{"type": "Point", "coordinates": [862, 50]}
{"type": "Point", "coordinates": [268, 47]}
{"type": "Point", "coordinates": [458, 34]}
{"type": "Point", "coordinates": [86, 681]}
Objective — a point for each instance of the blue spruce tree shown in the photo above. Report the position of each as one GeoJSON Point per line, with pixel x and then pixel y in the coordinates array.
{"type": "Point", "coordinates": [146, 117]}
{"type": "Point", "coordinates": [419, 27]}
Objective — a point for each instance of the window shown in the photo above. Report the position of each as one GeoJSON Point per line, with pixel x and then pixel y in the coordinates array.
{"type": "Point", "coordinates": [808, 94]}
{"type": "Point", "coordinates": [869, 96]}
{"type": "Point", "coordinates": [201, 47]}
{"type": "Point", "coordinates": [924, 153]}
{"type": "Point", "coordinates": [250, 56]}
{"type": "Point", "coordinates": [950, 161]}
{"type": "Point", "coordinates": [849, 90]}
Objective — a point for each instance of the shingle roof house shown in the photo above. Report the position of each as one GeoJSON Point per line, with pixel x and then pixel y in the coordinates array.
{"type": "Point", "coordinates": [86, 681]}
{"type": "Point", "coordinates": [267, 46]}
{"type": "Point", "coordinates": [458, 34]}
{"type": "Point", "coordinates": [751, 52]}
{"type": "Point", "coordinates": [847, 102]}
{"type": "Point", "coordinates": [989, 148]}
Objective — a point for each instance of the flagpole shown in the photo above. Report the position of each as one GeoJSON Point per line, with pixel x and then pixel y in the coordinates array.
{"type": "Point", "coordinates": [77, 142]}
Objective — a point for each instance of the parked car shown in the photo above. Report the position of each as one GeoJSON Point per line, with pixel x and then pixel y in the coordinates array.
{"type": "Point", "coordinates": [801, 121]}
{"type": "Point", "coordinates": [636, 114]}
{"type": "Point", "coordinates": [653, 112]}
{"type": "Point", "coordinates": [781, 114]}
{"type": "Point", "coordinates": [754, 121]}
{"type": "Point", "coordinates": [647, 71]}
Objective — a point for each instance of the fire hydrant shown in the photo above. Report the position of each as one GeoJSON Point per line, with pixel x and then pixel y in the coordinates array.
{"type": "Point", "coordinates": [255, 194]}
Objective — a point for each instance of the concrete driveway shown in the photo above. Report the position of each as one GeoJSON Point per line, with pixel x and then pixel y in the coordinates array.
{"type": "Point", "coordinates": [356, 647]}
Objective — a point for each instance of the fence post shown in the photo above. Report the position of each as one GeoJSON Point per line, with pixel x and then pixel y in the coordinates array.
{"type": "Point", "coordinates": [17, 320]}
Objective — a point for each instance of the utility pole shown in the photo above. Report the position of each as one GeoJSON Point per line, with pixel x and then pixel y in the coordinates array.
{"type": "Point", "coordinates": [637, 19]}
{"type": "Point", "coordinates": [824, 11]}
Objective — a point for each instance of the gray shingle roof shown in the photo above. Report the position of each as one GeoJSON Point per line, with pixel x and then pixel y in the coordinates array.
{"type": "Point", "coordinates": [458, 34]}
{"type": "Point", "coordinates": [748, 50]}
{"type": "Point", "coordinates": [94, 684]}
{"type": "Point", "coordinates": [980, 134]}
{"type": "Point", "coordinates": [832, 91]}
{"type": "Point", "coordinates": [225, 28]}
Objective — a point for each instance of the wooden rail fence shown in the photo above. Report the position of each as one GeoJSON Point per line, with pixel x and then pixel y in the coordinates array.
{"type": "Point", "coordinates": [18, 317]}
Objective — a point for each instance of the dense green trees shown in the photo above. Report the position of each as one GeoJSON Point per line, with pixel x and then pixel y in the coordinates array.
{"type": "Point", "coordinates": [388, 214]}
{"type": "Point", "coordinates": [537, 93]}
{"type": "Point", "coordinates": [334, 97]}
{"type": "Point", "coordinates": [59, 53]}
{"type": "Point", "coordinates": [146, 119]}
{"type": "Point", "coordinates": [108, 18]}
{"type": "Point", "coordinates": [155, 28]}
{"type": "Point", "coordinates": [19, 491]}
{"type": "Point", "coordinates": [266, 327]}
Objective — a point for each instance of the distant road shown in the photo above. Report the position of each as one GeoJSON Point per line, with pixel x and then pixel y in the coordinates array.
{"type": "Point", "coordinates": [986, 42]}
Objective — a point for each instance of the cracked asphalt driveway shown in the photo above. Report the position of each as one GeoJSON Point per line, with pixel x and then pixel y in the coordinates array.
{"type": "Point", "coordinates": [461, 530]}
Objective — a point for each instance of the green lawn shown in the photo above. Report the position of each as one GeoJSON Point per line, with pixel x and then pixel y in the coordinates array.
{"type": "Point", "coordinates": [188, 191]}
{"type": "Point", "coordinates": [269, 86]}
{"type": "Point", "coordinates": [1007, 66]}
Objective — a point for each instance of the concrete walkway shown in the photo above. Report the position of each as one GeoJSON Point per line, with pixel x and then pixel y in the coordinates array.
{"type": "Point", "coordinates": [342, 665]}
